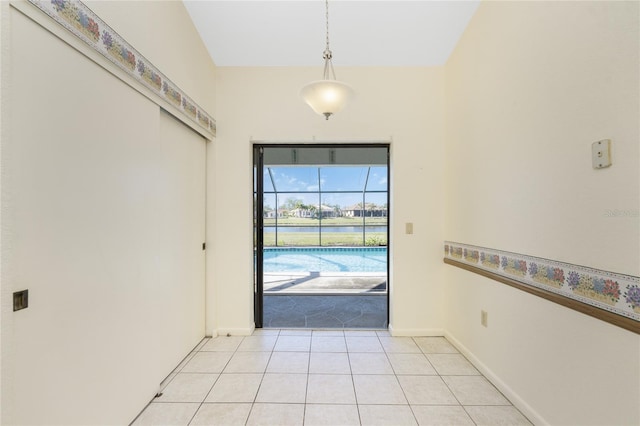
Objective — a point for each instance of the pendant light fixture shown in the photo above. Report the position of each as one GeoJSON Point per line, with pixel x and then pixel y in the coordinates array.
{"type": "Point", "coordinates": [327, 96]}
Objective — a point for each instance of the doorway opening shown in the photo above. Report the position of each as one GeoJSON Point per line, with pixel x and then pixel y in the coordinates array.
{"type": "Point", "coordinates": [321, 235]}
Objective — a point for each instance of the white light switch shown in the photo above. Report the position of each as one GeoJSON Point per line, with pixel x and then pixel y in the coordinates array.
{"type": "Point", "coordinates": [408, 228]}
{"type": "Point", "coordinates": [484, 318]}
{"type": "Point", "coordinates": [601, 154]}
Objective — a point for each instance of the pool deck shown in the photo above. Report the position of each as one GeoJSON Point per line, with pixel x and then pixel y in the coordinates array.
{"type": "Point", "coordinates": [325, 300]}
{"type": "Point", "coordinates": [316, 282]}
{"type": "Point", "coordinates": [363, 310]}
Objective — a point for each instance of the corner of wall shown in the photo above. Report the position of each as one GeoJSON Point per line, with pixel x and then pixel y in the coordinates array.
{"type": "Point", "coordinates": [503, 387]}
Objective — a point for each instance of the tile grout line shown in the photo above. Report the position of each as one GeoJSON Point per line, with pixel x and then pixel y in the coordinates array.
{"type": "Point", "coordinates": [448, 387]}
{"type": "Point", "coordinates": [353, 382]}
{"type": "Point", "coordinates": [255, 398]}
{"type": "Point", "coordinates": [398, 380]}
{"type": "Point", "coordinates": [215, 381]}
{"type": "Point", "coordinates": [264, 373]}
{"type": "Point", "coordinates": [222, 371]}
{"type": "Point", "coordinates": [386, 355]}
{"type": "Point", "coordinates": [257, 390]}
{"type": "Point", "coordinates": [306, 389]}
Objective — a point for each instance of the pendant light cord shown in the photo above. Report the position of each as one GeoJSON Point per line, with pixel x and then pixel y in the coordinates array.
{"type": "Point", "coordinates": [326, 6]}
{"type": "Point", "coordinates": [327, 55]}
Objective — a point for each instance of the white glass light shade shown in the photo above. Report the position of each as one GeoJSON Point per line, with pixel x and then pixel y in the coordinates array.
{"type": "Point", "coordinates": [327, 97]}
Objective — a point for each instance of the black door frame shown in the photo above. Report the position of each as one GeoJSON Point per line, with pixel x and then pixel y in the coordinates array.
{"type": "Point", "coordinates": [258, 208]}
{"type": "Point", "coordinates": [258, 232]}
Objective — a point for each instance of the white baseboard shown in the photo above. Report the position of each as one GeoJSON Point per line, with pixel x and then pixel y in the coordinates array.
{"type": "Point", "coordinates": [415, 332]}
{"type": "Point", "coordinates": [512, 396]}
{"type": "Point", "coordinates": [221, 331]}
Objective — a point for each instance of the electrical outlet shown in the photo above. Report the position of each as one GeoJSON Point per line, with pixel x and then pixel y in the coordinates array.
{"type": "Point", "coordinates": [484, 318]}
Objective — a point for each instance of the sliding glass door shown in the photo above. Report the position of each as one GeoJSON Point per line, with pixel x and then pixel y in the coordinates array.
{"type": "Point", "coordinates": [321, 235]}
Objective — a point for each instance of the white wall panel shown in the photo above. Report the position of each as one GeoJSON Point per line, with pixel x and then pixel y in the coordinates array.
{"type": "Point", "coordinates": [181, 186]}
{"type": "Point", "coordinates": [530, 87]}
{"type": "Point", "coordinates": [104, 199]}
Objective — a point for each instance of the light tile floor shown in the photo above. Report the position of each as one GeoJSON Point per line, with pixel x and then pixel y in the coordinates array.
{"type": "Point", "coordinates": [328, 377]}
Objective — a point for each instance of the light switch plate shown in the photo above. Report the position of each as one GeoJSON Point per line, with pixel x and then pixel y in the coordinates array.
{"type": "Point", "coordinates": [408, 228]}
{"type": "Point", "coordinates": [601, 154]}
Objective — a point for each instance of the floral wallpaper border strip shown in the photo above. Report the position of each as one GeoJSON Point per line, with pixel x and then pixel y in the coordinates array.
{"type": "Point", "coordinates": [76, 17]}
{"type": "Point", "coordinates": [613, 292]}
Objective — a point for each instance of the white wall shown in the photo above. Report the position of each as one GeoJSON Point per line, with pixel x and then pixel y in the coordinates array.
{"type": "Point", "coordinates": [529, 87]}
{"type": "Point", "coordinates": [103, 217]}
{"type": "Point", "coordinates": [405, 104]}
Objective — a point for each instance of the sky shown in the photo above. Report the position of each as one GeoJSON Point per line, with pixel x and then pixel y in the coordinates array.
{"type": "Point", "coordinates": [296, 182]}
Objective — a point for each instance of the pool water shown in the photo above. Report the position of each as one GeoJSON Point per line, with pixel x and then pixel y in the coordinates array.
{"type": "Point", "coordinates": [326, 259]}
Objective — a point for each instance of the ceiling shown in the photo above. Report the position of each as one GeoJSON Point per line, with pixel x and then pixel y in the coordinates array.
{"type": "Point", "coordinates": [362, 32]}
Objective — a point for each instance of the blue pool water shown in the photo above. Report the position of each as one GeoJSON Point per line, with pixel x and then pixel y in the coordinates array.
{"type": "Point", "coordinates": [326, 259]}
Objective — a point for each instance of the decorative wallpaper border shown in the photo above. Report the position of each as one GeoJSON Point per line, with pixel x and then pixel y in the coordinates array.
{"type": "Point", "coordinates": [81, 21]}
{"type": "Point", "coordinates": [613, 292]}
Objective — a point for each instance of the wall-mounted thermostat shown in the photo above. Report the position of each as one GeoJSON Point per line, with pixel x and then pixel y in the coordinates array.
{"type": "Point", "coordinates": [601, 154]}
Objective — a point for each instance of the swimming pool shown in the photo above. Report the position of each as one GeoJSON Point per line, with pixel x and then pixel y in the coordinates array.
{"type": "Point", "coordinates": [326, 259]}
